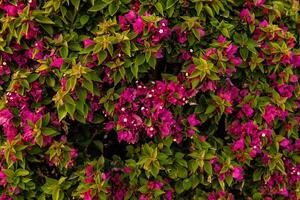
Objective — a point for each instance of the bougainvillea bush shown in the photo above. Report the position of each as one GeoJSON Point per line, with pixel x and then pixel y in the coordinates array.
{"type": "Point", "coordinates": [149, 99]}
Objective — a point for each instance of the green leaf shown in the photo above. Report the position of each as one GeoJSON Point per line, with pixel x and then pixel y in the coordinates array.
{"type": "Point", "coordinates": [210, 108]}
{"type": "Point", "coordinates": [257, 175]}
{"type": "Point", "coordinates": [159, 8]}
{"type": "Point", "coordinates": [62, 112]}
{"type": "Point", "coordinates": [152, 62]}
{"type": "Point", "coordinates": [43, 20]}
{"type": "Point", "coordinates": [49, 131]}
{"type": "Point", "coordinates": [84, 19]}
{"type": "Point", "coordinates": [21, 172]}
{"type": "Point", "coordinates": [56, 194]}
{"type": "Point", "coordinates": [140, 59]}
{"type": "Point", "coordinates": [209, 10]}
{"type": "Point", "coordinates": [135, 70]}
{"type": "Point", "coordinates": [99, 5]}
{"type": "Point", "coordinates": [47, 28]}
{"type": "Point", "coordinates": [244, 53]}
{"type": "Point", "coordinates": [170, 3]}
{"type": "Point", "coordinates": [198, 8]}
{"type": "Point", "coordinates": [88, 85]}
{"type": "Point", "coordinates": [113, 8]}
{"type": "Point", "coordinates": [101, 56]}
{"type": "Point", "coordinates": [33, 77]}
{"type": "Point", "coordinates": [179, 187]}
{"type": "Point", "coordinates": [208, 168]}
{"type": "Point", "coordinates": [76, 3]}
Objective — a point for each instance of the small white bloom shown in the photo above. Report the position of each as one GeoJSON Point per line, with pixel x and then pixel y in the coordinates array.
{"type": "Point", "coordinates": [191, 50]}
{"type": "Point", "coordinates": [4, 63]}
{"type": "Point", "coordinates": [125, 120]}
{"type": "Point", "coordinates": [161, 31]}
{"type": "Point", "coordinates": [263, 135]}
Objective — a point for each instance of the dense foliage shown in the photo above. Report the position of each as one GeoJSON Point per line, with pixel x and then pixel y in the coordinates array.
{"type": "Point", "coordinates": [149, 99]}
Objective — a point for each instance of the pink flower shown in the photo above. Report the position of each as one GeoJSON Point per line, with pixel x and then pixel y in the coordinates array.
{"type": "Point", "coordinates": [88, 195]}
{"type": "Point", "coordinates": [88, 42]}
{"type": "Point", "coordinates": [127, 170]}
{"type": "Point", "coordinates": [186, 55]}
{"type": "Point", "coordinates": [122, 22]}
{"type": "Point", "coordinates": [154, 185]}
{"type": "Point", "coordinates": [237, 173]}
{"type": "Point", "coordinates": [130, 16]}
{"type": "Point", "coordinates": [193, 120]}
{"type": "Point", "coordinates": [89, 170]}
{"type": "Point", "coordinates": [5, 117]}
{"type": "Point", "coordinates": [138, 25]}
{"type": "Point", "coordinates": [73, 153]}
{"type": "Point", "coordinates": [296, 60]}
{"type": "Point", "coordinates": [169, 195]}
{"type": "Point", "coordinates": [259, 3]}
{"type": "Point", "coordinates": [109, 126]}
{"type": "Point", "coordinates": [294, 78]}
{"type": "Point", "coordinates": [221, 39]}
{"type": "Point", "coordinates": [264, 23]}
{"type": "Point", "coordinates": [128, 95]}
{"type": "Point", "coordinates": [3, 178]}
{"type": "Point", "coordinates": [32, 32]}
{"type": "Point", "coordinates": [247, 110]}
{"type": "Point", "coordinates": [105, 176]}
{"type": "Point", "coordinates": [57, 62]}
{"type": "Point", "coordinates": [11, 10]}
{"type": "Point", "coordinates": [270, 113]}
{"type": "Point", "coordinates": [246, 16]}
{"type": "Point", "coordinates": [285, 90]}
{"type": "Point", "coordinates": [63, 83]}
{"type": "Point", "coordinates": [127, 136]}
{"type": "Point", "coordinates": [230, 51]}
{"type": "Point", "coordinates": [238, 145]}
{"type": "Point", "coordinates": [236, 61]}
{"type": "Point", "coordinates": [201, 32]}
{"type": "Point", "coordinates": [285, 143]}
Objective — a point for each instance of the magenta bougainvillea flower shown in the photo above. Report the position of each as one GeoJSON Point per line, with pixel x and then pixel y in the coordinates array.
{"type": "Point", "coordinates": [57, 62]}
{"type": "Point", "coordinates": [237, 173]}
{"type": "Point", "coordinates": [149, 100]}
{"type": "Point", "coordinates": [138, 25]}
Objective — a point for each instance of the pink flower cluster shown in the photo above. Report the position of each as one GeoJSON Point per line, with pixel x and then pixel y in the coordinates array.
{"type": "Point", "coordinates": [145, 109]}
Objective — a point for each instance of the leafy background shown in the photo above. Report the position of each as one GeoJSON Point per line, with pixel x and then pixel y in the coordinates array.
{"type": "Point", "coordinates": [171, 99]}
